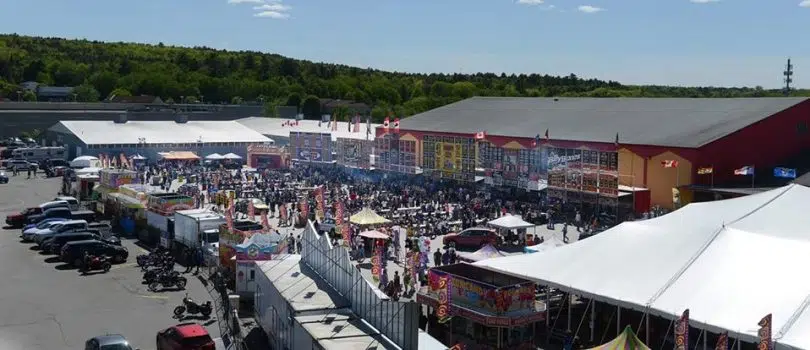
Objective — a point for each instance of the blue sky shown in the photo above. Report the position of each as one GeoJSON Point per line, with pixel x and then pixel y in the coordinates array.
{"type": "Point", "coordinates": [675, 42]}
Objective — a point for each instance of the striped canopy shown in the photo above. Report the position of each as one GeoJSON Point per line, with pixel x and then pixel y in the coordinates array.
{"type": "Point", "coordinates": [625, 341]}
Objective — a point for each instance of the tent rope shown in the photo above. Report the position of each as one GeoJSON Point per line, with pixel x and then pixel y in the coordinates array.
{"type": "Point", "coordinates": [793, 318]}
{"type": "Point", "coordinates": [667, 332]}
{"type": "Point", "coordinates": [584, 314]}
{"type": "Point", "coordinates": [607, 328]}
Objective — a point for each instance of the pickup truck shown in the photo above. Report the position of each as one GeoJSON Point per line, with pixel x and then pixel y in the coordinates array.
{"type": "Point", "coordinates": [17, 220]}
{"type": "Point", "coordinates": [87, 215]}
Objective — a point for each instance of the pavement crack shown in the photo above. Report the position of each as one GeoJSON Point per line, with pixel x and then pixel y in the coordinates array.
{"type": "Point", "coordinates": [61, 331]}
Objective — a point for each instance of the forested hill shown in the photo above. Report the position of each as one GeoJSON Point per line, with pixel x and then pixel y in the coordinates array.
{"type": "Point", "coordinates": [224, 76]}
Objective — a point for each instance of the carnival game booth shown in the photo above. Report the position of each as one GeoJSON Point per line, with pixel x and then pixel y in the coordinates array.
{"type": "Point", "coordinates": [509, 224]}
{"type": "Point", "coordinates": [481, 309]}
{"type": "Point", "coordinates": [268, 157]}
{"type": "Point", "coordinates": [160, 216]}
{"type": "Point", "coordinates": [129, 209]}
{"type": "Point", "coordinates": [261, 246]}
{"type": "Point", "coordinates": [109, 182]}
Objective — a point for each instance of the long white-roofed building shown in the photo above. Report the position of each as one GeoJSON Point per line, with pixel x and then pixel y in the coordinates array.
{"type": "Point", "coordinates": [148, 138]}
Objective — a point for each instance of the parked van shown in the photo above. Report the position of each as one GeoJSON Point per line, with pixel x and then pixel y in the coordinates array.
{"type": "Point", "coordinates": [19, 219]}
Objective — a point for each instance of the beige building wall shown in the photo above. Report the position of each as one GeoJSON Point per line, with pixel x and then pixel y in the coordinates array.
{"type": "Point", "coordinates": [662, 180]}
{"type": "Point", "coordinates": [631, 169]}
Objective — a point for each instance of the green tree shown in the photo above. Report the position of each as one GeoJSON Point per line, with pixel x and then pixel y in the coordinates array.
{"type": "Point", "coordinates": [29, 96]}
{"type": "Point", "coordinates": [119, 92]}
{"type": "Point", "coordinates": [311, 107]}
{"type": "Point", "coordinates": [236, 100]}
{"type": "Point", "coordinates": [86, 93]}
{"type": "Point", "coordinates": [293, 100]}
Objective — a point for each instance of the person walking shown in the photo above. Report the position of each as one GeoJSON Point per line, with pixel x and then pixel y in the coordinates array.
{"type": "Point", "coordinates": [199, 260]}
{"type": "Point", "coordinates": [437, 257]}
{"type": "Point", "coordinates": [188, 258]}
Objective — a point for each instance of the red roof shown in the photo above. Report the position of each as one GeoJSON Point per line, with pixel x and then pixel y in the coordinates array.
{"type": "Point", "coordinates": [191, 330]}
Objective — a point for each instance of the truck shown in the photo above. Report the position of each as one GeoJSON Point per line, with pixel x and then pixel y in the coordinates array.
{"type": "Point", "coordinates": [193, 228]}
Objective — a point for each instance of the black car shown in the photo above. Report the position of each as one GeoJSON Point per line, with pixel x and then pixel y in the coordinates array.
{"type": "Point", "coordinates": [73, 252]}
{"type": "Point", "coordinates": [54, 244]}
{"type": "Point", "coordinates": [3, 178]}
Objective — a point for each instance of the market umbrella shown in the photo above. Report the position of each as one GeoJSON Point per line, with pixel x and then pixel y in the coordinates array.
{"type": "Point", "coordinates": [138, 157]}
{"type": "Point", "coordinates": [368, 217]}
{"type": "Point", "coordinates": [232, 156]}
{"type": "Point", "coordinates": [214, 156]}
{"type": "Point", "coordinates": [374, 234]}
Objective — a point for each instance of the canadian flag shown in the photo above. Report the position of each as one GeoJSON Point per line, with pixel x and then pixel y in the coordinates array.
{"type": "Point", "coordinates": [386, 124]}
{"type": "Point", "coordinates": [480, 135]}
{"type": "Point", "coordinates": [396, 124]}
{"type": "Point", "coordinates": [669, 163]}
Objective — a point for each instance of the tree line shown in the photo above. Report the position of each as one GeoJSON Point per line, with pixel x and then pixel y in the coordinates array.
{"type": "Point", "coordinates": [99, 70]}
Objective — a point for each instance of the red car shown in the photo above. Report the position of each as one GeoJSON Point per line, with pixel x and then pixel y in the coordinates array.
{"type": "Point", "coordinates": [185, 336]}
{"type": "Point", "coordinates": [472, 237]}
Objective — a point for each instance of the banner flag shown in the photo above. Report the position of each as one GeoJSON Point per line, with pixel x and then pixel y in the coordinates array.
{"type": "Point", "coordinates": [229, 215]}
{"type": "Point", "coordinates": [304, 208]}
{"type": "Point", "coordinates": [282, 212]}
{"type": "Point", "coordinates": [746, 170]}
{"type": "Point", "coordinates": [265, 221]}
{"type": "Point", "coordinates": [682, 331]}
{"type": "Point", "coordinates": [443, 311]}
{"type": "Point", "coordinates": [669, 163]}
{"type": "Point", "coordinates": [722, 342]}
{"type": "Point", "coordinates": [376, 263]}
{"type": "Point", "coordinates": [787, 173]}
{"type": "Point", "coordinates": [251, 210]}
{"type": "Point", "coordinates": [765, 333]}
{"type": "Point", "coordinates": [319, 204]}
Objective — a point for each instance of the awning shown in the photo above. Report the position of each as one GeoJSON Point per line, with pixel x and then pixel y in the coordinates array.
{"type": "Point", "coordinates": [214, 156]}
{"type": "Point", "coordinates": [127, 201]}
{"type": "Point", "coordinates": [179, 155]}
{"type": "Point", "coordinates": [374, 234]}
{"type": "Point", "coordinates": [232, 156]}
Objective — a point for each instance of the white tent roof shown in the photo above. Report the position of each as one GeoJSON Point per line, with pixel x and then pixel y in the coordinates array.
{"type": "Point", "coordinates": [552, 242]}
{"type": "Point", "coordinates": [214, 156]}
{"type": "Point", "coordinates": [730, 262]}
{"type": "Point", "coordinates": [85, 158]}
{"type": "Point", "coordinates": [510, 222]}
{"type": "Point", "coordinates": [231, 156]}
{"type": "Point", "coordinates": [95, 132]}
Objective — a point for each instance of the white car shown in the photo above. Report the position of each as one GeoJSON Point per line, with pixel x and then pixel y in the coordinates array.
{"type": "Point", "coordinates": [39, 227]}
{"type": "Point", "coordinates": [65, 226]}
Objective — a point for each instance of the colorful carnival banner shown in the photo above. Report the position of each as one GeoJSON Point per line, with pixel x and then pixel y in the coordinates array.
{"type": "Point", "coordinates": [347, 234]}
{"type": "Point", "coordinates": [251, 210]}
{"type": "Point", "coordinates": [304, 208]}
{"type": "Point", "coordinates": [682, 331]}
{"type": "Point", "coordinates": [319, 204]}
{"type": "Point", "coordinates": [722, 342]}
{"type": "Point", "coordinates": [524, 168]}
{"type": "Point", "coordinates": [443, 311]}
{"type": "Point", "coordinates": [449, 157]}
{"type": "Point", "coordinates": [354, 152]}
{"type": "Point", "coordinates": [392, 153]}
{"type": "Point", "coordinates": [765, 342]}
{"type": "Point", "coordinates": [339, 212]}
{"type": "Point", "coordinates": [311, 147]}
{"type": "Point", "coordinates": [376, 263]}
{"type": "Point", "coordinates": [265, 221]}
{"type": "Point", "coordinates": [229, 215]}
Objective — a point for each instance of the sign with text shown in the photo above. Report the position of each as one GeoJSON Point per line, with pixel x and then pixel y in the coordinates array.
{"type": "Point", "coordinates": [353, 152]}
{"type": "Point", "coordinates": [480, 296]}
{"type": "Point", "coordinates": [395, 154]}
{"type": "Point", "coordinates": [311, 147]}
{"type": "Point", "coordinates": [582, 175]}
{"type": "Point", "coordinates": [449, 157]}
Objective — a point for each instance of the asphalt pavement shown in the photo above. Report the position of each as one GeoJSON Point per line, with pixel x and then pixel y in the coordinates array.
{"type": "Point", "coordinates": [45, 304]}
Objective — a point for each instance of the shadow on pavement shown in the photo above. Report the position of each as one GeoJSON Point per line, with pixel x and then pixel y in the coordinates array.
{"type": "Point", "coordinates": [65, 267]}
{"type": "Point", "coordinates": [53, 260]}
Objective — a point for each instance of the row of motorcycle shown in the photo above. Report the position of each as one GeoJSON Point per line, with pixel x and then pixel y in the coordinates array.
{"type": "Point", "coordinates": [159, 274]}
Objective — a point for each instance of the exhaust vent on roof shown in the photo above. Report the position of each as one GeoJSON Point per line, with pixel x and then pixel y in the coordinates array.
{"type": "Point", "coordinates": [181, 119]}
{"type": "Point", "coordinates": [120, 119]}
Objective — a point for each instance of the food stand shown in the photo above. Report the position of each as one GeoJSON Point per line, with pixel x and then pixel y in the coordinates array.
{"type": "Point", "coordinates": [160, 209]}
{"type": "Point", "coordinates": [267, 157]}
{"type": "Point", "coordinates": [129, 208]}
{"type": "Point", "coordinates": [109, 182]}
{"type": "Point", "coordinates": [484, 309]}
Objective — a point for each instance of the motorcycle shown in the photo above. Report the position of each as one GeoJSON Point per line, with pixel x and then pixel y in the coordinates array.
{"type": "Point", "coordinates": [150, 276]}
{"type": "Point", "coordinates": [97, 263]}
{"type": "Point", "coordinates": [356, 256]}
{"type": "Point", "coordinates": [193, 308]}
{"type": "Point", "coordinates": [167, 280]}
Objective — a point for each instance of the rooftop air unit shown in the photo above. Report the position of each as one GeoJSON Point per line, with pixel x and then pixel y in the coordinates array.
{"type": "Point", "coordinates": [181, 119]}
{"type": "Point", "coordinates": [120, 119]}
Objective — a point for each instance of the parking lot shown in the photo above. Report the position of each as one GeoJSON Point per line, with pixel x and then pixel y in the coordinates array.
{"type": "Point", "coordinates": [45, 304]}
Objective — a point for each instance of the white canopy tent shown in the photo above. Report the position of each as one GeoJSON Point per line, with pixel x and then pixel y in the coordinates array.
{"type": "Point", "coordinates": [214, 156]}
{"type": "Point", "coordinates": [231, 156]}
{"type": "Point", "coordinates": [88, 171]}
{"type": "Point", "coordinates": [510, 222]}
{"type": "Point", "coordinates": [85, 162]}
{"type": "Point", "coordinates": [729, 262]}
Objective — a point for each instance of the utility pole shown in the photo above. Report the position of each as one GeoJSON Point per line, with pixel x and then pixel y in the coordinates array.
{"type": "Point", "coordinates": [788, 73]}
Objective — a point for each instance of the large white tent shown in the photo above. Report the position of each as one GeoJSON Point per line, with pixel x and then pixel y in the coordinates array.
{"type": "Point", "coordinates": [510, 222]}
{"type": "Point", "coordinates": [729, 262]}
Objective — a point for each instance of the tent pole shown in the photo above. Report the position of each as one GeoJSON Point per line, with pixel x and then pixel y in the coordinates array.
{"type": "Point", "coordinates": [739, 344]}
{"type": "Point", "coordinates": [584, 313]}
{"type": "Point", "coordinates": [618, 320]}
{"type": "Point", "coordinates": [592, 322]}
{"type": "Point", "coordinates": [667, 332]}
{"type": "Point", "coordinates": [704, 341]}
{"type": "Point", "coordinates": [647, 329]}
{"type": "Point", "coordinates": [568, 321]}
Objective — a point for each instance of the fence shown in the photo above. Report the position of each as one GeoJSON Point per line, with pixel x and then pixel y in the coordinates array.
{"type": "Point", "coordinates": [398, 321]}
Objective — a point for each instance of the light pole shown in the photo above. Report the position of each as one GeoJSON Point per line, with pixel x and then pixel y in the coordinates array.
{"type": "Point", "coordinates": [19, 96]}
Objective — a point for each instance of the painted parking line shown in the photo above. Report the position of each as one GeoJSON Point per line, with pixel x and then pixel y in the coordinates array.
{"type": "Point", "coordinates": [116, 267]}
{"type": "Point", "coordinates": [160, 297]}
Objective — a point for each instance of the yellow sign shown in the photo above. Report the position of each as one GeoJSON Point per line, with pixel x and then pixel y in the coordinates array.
{"type": "Point", "coordinates": [448, 157]}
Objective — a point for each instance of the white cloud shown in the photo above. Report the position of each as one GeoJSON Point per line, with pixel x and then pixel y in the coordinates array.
{"type": "Point", "coordinates": [530, 2]}
{"type": "Point", "coordinates": [703, 1]}
{"type": "Point", "coordinates": [246, 1]}
{"type": "Point", "coordinates": [272, 14]}
{"type": "Point", "coordinates": [589, 9]}
{"type": "Point", "coordinates": [274, 7]}
{"type": "Point", "coordinates": [805, 3]}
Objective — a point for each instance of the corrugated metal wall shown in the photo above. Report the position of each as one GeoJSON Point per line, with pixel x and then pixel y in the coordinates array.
{"type": "Point", "coordinates": [398, 321]}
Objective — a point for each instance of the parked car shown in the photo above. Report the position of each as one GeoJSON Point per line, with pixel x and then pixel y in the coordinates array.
{"type": "Point", "coordinates": [73, 203]}
{"type": "Point", "coordinates": [60, 228]}
{"type": "Point", "coordinates": [54, 244]}
{"type": "Point", "coordinates": [73, 252]}
{"type": "Point", "coordinates": [20, 219]}
{"type": "Point", "coordinates": [108, 342]}
{"type": "Point", "coordinates": [3, 178]}
{"type": "Point", "coordinates": [64, 226]}
{"type": "Point", "coordinates": [471, 237]}
{"type": "Point", "coordinates": [185, 336]}
{"type": "Point", "coordinates": [20, 164]}
{"type": "Point", "coordinates": [42, 224]}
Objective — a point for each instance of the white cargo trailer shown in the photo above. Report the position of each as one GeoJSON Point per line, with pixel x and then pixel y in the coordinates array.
{"type": "Point", "coordinates": [193, 228]}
